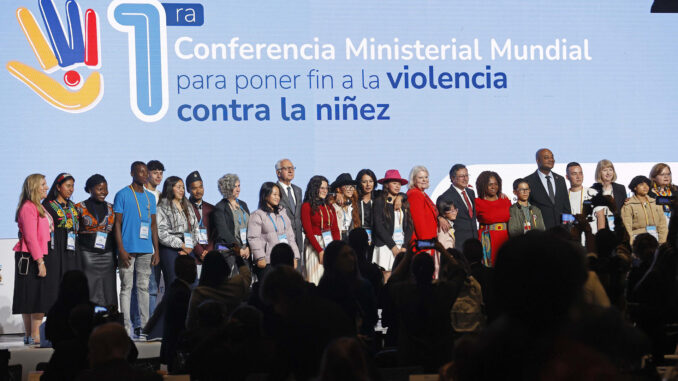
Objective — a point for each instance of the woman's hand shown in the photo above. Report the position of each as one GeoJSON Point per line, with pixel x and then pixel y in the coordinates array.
{"type": "Point", "coordinates": [42, 271]}
{"type": "Point", "coordinates": [261, 263]}
{"type": "Point", "coordinates": [395, 250]}
{"type": "Point", "coordinates": [443, 224]}
{"type": "Point", "coordinates": [245, 252]}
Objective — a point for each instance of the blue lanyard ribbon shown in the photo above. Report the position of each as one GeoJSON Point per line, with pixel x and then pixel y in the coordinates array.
{"type": "Point", "coordinates": [275, 226]}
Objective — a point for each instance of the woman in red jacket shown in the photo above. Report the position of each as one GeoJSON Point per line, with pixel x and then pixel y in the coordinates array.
{"type": "Point", "coordinates": [320, 226]}
{"type": "Point", "coordinates": [423, 210]}
{"type": "Point", "coordinates": [493, 214]}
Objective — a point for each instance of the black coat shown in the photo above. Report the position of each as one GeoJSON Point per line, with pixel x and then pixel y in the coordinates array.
{"type": "Point", "coordinates": [383, 226]}
{"type": "Point", "coordinates": [618, 193]}
{"type": "Point", "coordinates": [550, 211]}
{"type": "Point", "coordinates": [294, 214]}
{"type": "Point", "coordinates": [222, 222]}
{"type": "Point", "coordinates": [465, 226]}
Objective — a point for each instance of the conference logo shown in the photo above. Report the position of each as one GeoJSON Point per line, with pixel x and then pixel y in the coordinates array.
{"type": "Point", "coordinates": [78, 46]}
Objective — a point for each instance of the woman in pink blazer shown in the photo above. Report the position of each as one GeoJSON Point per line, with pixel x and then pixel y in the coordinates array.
{"type": "Point", "coordinates": [34, 294]}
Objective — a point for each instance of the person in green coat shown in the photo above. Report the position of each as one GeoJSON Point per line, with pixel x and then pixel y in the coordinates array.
{"type": "Point", "coordinates": [524, 217]}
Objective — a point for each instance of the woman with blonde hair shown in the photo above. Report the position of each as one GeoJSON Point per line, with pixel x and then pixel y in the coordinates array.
{"type": "Point", "coordinates": [35, 285]}
{"type": "Point", "coordinates": [606, 185]}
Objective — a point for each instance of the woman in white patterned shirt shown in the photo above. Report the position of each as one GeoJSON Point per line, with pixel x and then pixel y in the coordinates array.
{"type": "Point", "coordinates": [177, 226]}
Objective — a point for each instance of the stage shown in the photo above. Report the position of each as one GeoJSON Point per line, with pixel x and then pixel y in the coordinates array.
{"type": "Point", "coordinates": [29, 357]}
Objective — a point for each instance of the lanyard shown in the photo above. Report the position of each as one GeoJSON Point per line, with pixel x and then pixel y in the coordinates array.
{"type": "Point", "coordinates": [275, 226]}
{"type": "Point", "coordinates": [240, 217]}
{"type": "Point", "coordinates": [581, 200]}
{"type": "Point", "coordinates": [400, 217]}
{"type": "Point", "coordinates": [328, 218]}
{"type": "Point", "coordinates": [137, 200]}
{"type": "Point", "coordinates": [64, 212]}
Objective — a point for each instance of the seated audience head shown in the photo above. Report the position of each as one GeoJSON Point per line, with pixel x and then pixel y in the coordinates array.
{"type": "Point", "coordinates": [281, 287]}
{"type": "Point", "coordinates": [423, 268]}
{"type": "Point", "coordinates": [185, 268]}
{"type": "Point", "coordinates": [539, 277]}
{"type": "Point", "coordinates": [473, 250]}
{"type": "Point", "coordinates": [418, 178]}
{"type": "Point", "coordinates": [74, 288]}
{"type": "Point", "coordinates": [249, 320]}
{"type": "Point", "coordinates": [344, 359]}
{"type": "Point", "coordinates": [606, 242]}
{"type": "Point", "coordinates": [210, 314]}
{"type": "Point", "coordinates": [644, 247]}
{"type": "Point", "coordinates": [640, 186]}
{"type": "Point", "coordinates": [605, 173]}
{"type": "Point", "coordinates": [214, 270]}
{"type": "Point", "coordinates": [81, 320]}
{"type": "Point", "coordinates": [282, 255]}
{"type": "Point", "coordinates": [108, 342]}
{"type": "Point", "coordinates": [359, 241]}
{"type": "Point", "coordinates": [340, 258]}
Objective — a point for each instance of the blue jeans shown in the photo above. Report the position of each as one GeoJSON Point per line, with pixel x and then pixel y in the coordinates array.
{"type": "Point", "coordinates": [140, 266]}
{"type": "Point", "coordinates": [152, 297]}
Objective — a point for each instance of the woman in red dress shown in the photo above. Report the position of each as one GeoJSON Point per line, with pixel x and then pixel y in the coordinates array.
{"type": "Point", "coordinates": [423, 211]}
{"type": "Point", "coordinates": [493, 215]}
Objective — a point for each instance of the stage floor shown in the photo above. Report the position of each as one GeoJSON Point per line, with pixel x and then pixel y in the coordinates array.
{"type": "Point", "coordinates": [29, 357]}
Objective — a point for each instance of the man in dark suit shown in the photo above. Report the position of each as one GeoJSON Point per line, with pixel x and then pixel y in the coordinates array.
{"type": "Point", "coordinates": [291, 199]}
{"type": "Point", "coordinates": [463, 198]}
{"type": "Point", "coordinates": [549, 192]}
{"type": "Point", "coordinates": [203, 211]}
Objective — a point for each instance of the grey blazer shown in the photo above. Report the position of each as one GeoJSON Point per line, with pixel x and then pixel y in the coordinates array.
{"type": "Point", "coordinates": [294, 214]}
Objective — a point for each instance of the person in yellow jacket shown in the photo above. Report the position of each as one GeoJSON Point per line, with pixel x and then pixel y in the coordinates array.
{"type": "Point", "coordinates": [641, 214]}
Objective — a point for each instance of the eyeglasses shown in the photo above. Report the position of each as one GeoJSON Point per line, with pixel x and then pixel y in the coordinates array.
{"type": "Point", "coordinates": [462, 176]}
{"type": "Point", "coordinates": [664, 174]}
{"type": "Point", "coordinates": [523, 190]}
{"type": "Point", "coordinates": [288, 168]}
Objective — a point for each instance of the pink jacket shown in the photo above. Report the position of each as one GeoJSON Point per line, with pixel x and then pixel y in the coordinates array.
{"type": "Point", "coordinates": [34, 231]}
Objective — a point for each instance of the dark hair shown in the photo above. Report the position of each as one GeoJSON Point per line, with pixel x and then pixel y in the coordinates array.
{"type": "Point", "coordinates": [136, 163]}
{"type": "Point", "coordinates": [570, 165]}
{"type": "Point", "coordinates": [518, 182]}
{"type": "Point", "coordinates": [345, 359]}
{"type": "Point", "coordinates": [536, 154]}
{"type": "Point", "coordinates": [359, 185]}
{"type": "Point", "coordinates": [312, 191]}
{"type": "Point", "coordinates": [455, 168]}
{"type": "Point", "coordinates": [167, 196]}
{"type": "Point", "coordinates": [93, 181]}
{"type": "Point", "coordinates": [644, 246]}
{"type": "Point", "coordinates": [282, 254]}
{"type": "Point", "coordinates": [359, 241]}
{"type": "Point", "coordinates": [73, 289]}
{"type": "Point", "coordinates": [637, 181]}
{"type": "Point", "coordinates": [155, 165]}
{"type": "Point", "coordinates": [443, 206]}
{"type": "Point", "coordinates": [214, 270]}
{"type": "Point", "coordinates": [282, 284]}
{"type": "Point", "coordinates": [210, 314]}
{"type": "Point", "coordinates": [60, 179]}
{"type": "Point", "coordinates": [483, 180]}
{"type": "Point", "coordinates": [264, 193]}
{"type": "Point", "coordinates": [473, 250]}
{"type": "Point", "coordinates": [185, 268]}
{"type": "Point", "coordinates": [423, 268]}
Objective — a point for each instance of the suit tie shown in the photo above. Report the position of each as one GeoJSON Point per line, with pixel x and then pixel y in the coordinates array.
{"type": "Point", "coordinates": [468, 204]}
{"type": "Point", "coordinates": [289, 196]}
{"type": "Point", "coordinates": [549, 185]}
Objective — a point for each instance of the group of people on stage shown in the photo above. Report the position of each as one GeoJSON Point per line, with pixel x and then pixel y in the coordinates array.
{"type": "Point", "coordinates": [148, 225]}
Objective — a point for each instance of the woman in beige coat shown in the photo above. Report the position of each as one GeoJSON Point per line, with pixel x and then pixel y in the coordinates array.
{"type": "Point", "coordinates": [641, 214]}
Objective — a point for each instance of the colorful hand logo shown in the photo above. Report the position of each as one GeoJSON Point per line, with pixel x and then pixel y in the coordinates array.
{"type": "Point", "coordinates": [64, 53]}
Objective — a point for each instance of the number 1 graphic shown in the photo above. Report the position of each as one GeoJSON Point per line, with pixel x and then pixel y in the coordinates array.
{"type": "Point", "coordinates": [145, 24]}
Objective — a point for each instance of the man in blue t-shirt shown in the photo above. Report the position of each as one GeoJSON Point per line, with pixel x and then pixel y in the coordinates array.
{"type": "Point", "coordinates": [136, 234]}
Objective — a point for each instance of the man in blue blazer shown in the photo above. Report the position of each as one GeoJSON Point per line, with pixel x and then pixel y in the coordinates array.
{"type": "Point", "coordinates": [463, 198]}
{"type": "Point", "coordinates": [548, 190]}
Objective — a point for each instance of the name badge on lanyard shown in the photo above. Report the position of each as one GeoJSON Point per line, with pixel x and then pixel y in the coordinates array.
{"type": "Point", "coordinates": [653, 231]}
{"type": "Point", "coordinates": [243, 236]}
{"type": "Point", "coordinates": [188, 240]}
{"type": "Point", "coordinates": [202, 236]}
{"type": "Point", "coordinates": [51, 240]}
{"type": "Point", "coordinates": [70, 242]}
{"type": "Point", "coordinates": [143, 230]}
{"type": "Point", "coordinates": [100, 241]}
{"type": "Point", "coordinates": [527, 227]}
{"type": "Point", "coordinates": [369, 236]}
{"type": "Point", "coordinates": [282, 238]}
{"type": "Point", "coordinates": [327, 237]}
{"type": "Point", "coordinates": [398, 236]}
{"type": "Point", "coordinates": [610, 222]}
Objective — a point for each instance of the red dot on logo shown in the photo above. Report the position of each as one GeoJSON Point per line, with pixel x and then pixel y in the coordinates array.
{"type": "Point", "coordinates": [72, 78]}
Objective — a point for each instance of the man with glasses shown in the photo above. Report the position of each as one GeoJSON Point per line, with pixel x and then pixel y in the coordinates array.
{"type": "Point", "coordinates": [524, 217]}
{"type": "Point", "coordinates": [291, 199]}
{"type": "Point", "coordinates": [463, 198]}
